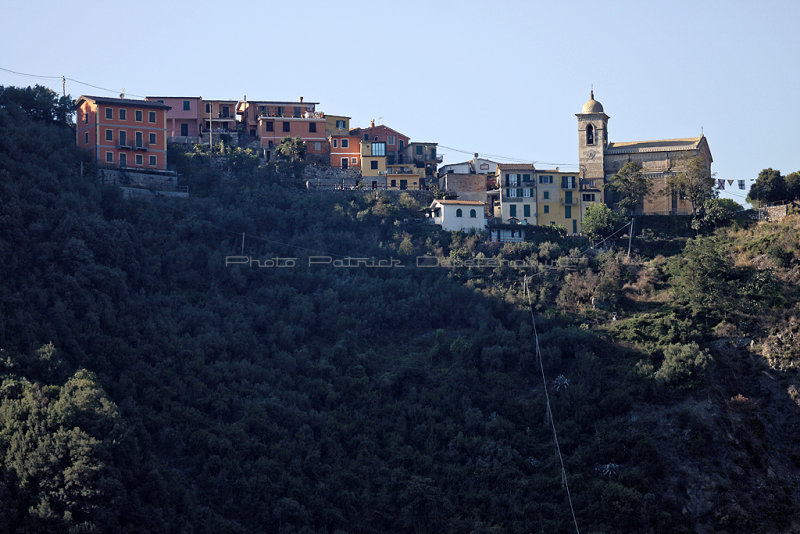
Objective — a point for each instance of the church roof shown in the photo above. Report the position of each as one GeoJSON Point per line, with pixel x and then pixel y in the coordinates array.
{"type": "Point", "coordinates": [592, 105]}
{"type": "Point", "coordinates": [516, 166]}
{"type": "Point", "coordinates": [661, 145]}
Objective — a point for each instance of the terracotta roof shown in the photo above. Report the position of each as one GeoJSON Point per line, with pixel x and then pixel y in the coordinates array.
{"type": "Point", "coordinates": [463, 202]}
{"type": "Point", "coordinates": [661, 145]}
{"type": "Point", "coordinates": [516, 166]}
{"type": "Point", "coordinates": [122, 102]}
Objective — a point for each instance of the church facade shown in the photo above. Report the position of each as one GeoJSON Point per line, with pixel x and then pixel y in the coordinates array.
{"type": "Point", "coordinates": [600, 159]}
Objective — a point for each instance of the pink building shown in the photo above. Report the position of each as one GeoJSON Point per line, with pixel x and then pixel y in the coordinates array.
{"type": "Point", "coordinates": [183, 118]}
{"type": "Point", "coordinates": [396, 142]}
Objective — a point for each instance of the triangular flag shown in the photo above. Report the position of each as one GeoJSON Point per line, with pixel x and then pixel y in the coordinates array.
{"type": "Point", "coordinates": [721, 184]}
{"type": "Point", "coordinates": [730, 182]}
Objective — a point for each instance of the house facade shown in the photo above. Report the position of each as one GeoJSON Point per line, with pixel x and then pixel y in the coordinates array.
{"type": "Point", "coordinates": [122, 132]}
{"type": "Point", "coordinates": [558, 199]}
{"type": "Point", "coordinates": [345, 151]}
{"type": "Point", "coordinates": [309, 128]}
{"type": "Point", "coordinates": [183, 118]}
{"type": "Point", "coordinates": [517, 193]}
{"type": "Point", "coordinates": [458, 215]}
{"type": "Point", "coordinates": [373, 164]}
{"type": "Point", "coordinates": [394, 140]}
{"type": "Point", "coordinates": [219, 118]}
{"type": "Point", "coordinates": [660, 160]}
{"type": "Point", "coordinates": [250, 111]}
{"type": "Point", "coordinates": [403, 176]}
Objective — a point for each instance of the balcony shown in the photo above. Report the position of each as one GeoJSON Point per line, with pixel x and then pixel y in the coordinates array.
{"type": "Point", "coordinates": [573, 202]}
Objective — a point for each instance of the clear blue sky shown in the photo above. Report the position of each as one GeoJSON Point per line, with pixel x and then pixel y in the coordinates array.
{"type": "Point", "coordinates": [501, 77]}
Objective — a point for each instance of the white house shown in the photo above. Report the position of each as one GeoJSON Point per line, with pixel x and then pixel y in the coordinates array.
{"type": "Point", "coordinates": [455, 215]}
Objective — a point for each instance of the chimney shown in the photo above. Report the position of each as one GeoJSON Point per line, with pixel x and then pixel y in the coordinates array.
{"type": "Point", "coordinates": [476, 155]}
{"type": "Point", "coordinates": [301, 99]}
{"type": "Point", "coordinates": [372, 123]}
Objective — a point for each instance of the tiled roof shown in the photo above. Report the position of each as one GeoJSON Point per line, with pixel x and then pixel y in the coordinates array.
{"type": "Point", "coordinates": [462, 202]}
{"type": "Point", "coordinates": [662, 145]}
{"type": "Point", "coordinates": [516, 166]}
{"type": "Point", "coordinates": [122, 102]}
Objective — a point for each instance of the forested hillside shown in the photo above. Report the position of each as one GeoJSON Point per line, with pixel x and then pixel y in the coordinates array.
{"type": "Point", "coordinates": [148, 386]}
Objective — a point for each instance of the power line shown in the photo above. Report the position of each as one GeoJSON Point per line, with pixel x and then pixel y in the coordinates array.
{"type": "Point", "coordinates": [549, 410]}
{"type": "Point", "coordinates": [66, 78]}
{"type": "Point", "coordinates": [30, 75]}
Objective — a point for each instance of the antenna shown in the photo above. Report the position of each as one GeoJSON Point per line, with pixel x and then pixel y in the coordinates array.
{"type": "Point", "coordinates": [122, 94]}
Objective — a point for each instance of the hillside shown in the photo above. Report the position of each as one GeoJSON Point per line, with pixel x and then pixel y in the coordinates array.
{"type": "Point", "coordinates": [149, 387]}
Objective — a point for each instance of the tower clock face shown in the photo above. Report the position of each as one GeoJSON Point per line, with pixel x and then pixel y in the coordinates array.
{"type": "Point", "coordinates": [591, 154]}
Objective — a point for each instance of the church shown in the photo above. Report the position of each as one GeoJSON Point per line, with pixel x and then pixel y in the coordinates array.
{"type": "Point", "coordinates": [600, 160]}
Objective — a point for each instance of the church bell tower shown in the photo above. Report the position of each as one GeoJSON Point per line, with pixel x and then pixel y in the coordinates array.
{"type": "Point", "coordinates": [592, 143]}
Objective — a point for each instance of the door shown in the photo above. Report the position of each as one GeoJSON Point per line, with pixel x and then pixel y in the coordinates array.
{"type": "Point", "coordinates": [123, 138]}
{"type": "Point", "coordinates": [123, 160]}
{"type": "Point", "coordinates": [184, 129]}
{"type": "Point", "coordinates": [139, 140]}
{"type": "Point", "coordinates": [344, 163]}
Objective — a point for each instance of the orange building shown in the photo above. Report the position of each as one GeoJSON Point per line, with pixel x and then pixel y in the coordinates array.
{"type": "Point", "coordinates": [123, 132]}
{"type": "Point", "coordinates": [250, 111]}
{"type": "Point", "coordinates": [310, 129]}
{"type": "Point", "coordinates": [345, 151]}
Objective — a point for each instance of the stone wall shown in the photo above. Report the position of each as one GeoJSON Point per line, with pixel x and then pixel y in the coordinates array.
{"type": "Point", "coordinates": [165, 181]}
{"type": "Point", "coordinates": [327, 177]}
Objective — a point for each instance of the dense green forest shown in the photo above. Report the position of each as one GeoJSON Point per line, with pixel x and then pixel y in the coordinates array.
{"type": "Point", "coordinates": [149, 385]}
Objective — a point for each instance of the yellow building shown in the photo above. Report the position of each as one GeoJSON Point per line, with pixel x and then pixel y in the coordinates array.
{"type": "Point", "coordinates": [373, 164]}
{"type": "Point", "coordinates": [337, 125]}
{"type": "Point", "coordinates": [403, 176]}
{"type": "Point", "coordinates": [558, 199]}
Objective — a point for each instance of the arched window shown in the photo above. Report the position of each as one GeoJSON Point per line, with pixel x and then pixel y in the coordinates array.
{"type": "Point", "coordinates": [590, 135]}
{"type": "Point", "coordinates": [458, 212]}
{"type": "Point", "coordinates": [472, 214]}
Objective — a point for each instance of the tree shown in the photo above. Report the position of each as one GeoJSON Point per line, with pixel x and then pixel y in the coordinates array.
{"type": "Point", "coordinates": [695, 183]}
{"type": "Point", "coordinates": [630, 186]}
{"type": "Point", "coordinates": [599, 221]}
{"type": "Point", "coordinates": [769, 187]}
{"type": "Point", "coordinates": [291, 157]}
{"type": "Point", "coordinates": [792, 183]}
{"type": "Point", "coordinates": [715, 213]}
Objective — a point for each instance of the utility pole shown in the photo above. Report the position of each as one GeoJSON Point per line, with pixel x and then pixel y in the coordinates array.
{"type": "Point", "coordinates": [64, 86]}
{"type": "Point", "coordinates": [630, 238]}
{"type": "Point", "coordinates": [210, 129]}
{"type": "Point", "coordinates": [242, 243]}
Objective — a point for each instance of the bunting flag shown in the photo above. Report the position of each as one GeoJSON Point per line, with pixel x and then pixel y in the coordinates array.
{"type": "Point", "coordinates": [721, 184]}
{"type": "Point", "coordinates": [730, 182]}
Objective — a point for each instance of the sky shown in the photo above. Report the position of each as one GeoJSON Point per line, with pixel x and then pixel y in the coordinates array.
{"type": "Point", "coordinates": [502, 78]}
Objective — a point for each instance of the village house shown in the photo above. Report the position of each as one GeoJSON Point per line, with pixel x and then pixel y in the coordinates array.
{"type": "Point", "coordinates": [123, 132]}
{"type": "Point", "coordinates": [455, 215]}
{"type": "Point", "coordinates": [184, 122]}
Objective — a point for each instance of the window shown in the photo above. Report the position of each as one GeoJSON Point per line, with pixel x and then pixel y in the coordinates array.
{"type": "Point", "coordinates": [458, 212]}
{"type": "Point", "coordinates": [86, 118]}
{"type": "Point", "coordinates": [138, 115]}
{"type": "Point", "coordinates": [366, 137]}
{"type": "Point", "coordinates": [512, 210]}
{"type": "Point", "coordinates": [588, 197]}
{"type": "Point", "coordinates": [390, 139]}
{"type": "Point", "coordinates": [109, 113]}
{"type": "Point", "coordinates": [184, 129]}
{"type": "Point", "coordinates": [527, 192]}
{"type": "Point", "coordinates": [280, 111]}
{"type": "Point", "coordinates": [151, 116]}
{"type": "Point", "coordinates": [152, 139]}
{"type": "Point", "coordinates": [297, 111]}
{"type": "Point", "coordinates": [187, 105]}
{"type": "Point", "coordinates": [312, 126]}
{"type": "Point", "coordinates": [86, 137]}
{"type": "Point", "coordinates": [317, 146]}
{"type": "Point", "coordinates": [335, 143]}
{"type": "Point", "coordinates": [394, 183]}
{"type": "Point", "coordinates": [109, 135]}
{"type": "Point", "coordinates": [526, 177]}
{"type": "Point", "coordinates": [287, 126]}
{"type": "Point", "coordinates": [546, 208]}
{"type": "Point", "coordinates": [123, 114]}
{"type": "Point", "coordinates": [545, 179]}
{"type": "Point", "coordinates": [590, 135]}
{"type": "Point", "coordinates": [270, 126]}
{"type": "Point", "coordinates": [345, 143]}
{"type": "Point", "coordinates": [340, 124]}
{"type": "Point", "coordinates": [473, 214]}
{"type": "Point", "coordinates": [546, 195]}
{"type": "Point", "coordinates": [567, 212]}
{"type": "Point", "coordinates": [152, 161]}
{"type": "Point", "coordinates": [354, 161]}
{"type": "Point", "coordinates": [109, 157]}
{"type": "Point", "coordinates": [519, 192]}
{"type": "Point", "coordinates": [567, 182]}
{"type": "Point", "coordinates": [123, 138]}
{"type": "Point", "coordinates": [401, 144]}
{"type": "Point", "coordinates": [403, 184]}
{"type": "Point", "coordinates": [378, 149]}
{"type": "Point", "coordinates": [208, 108]}
{"type": "Point", "coordinates": [526, 210]}
{"type": "Point", "coordinates": [373, 164]}
{"type": "Point", "coordinates": [139, 139]}
{"type": "Point", "coordinates": [376, 138]}
{"type": "Point", "coordinates": [419, 150]}
{"type": "Point", "coordinates": [139, 159]}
